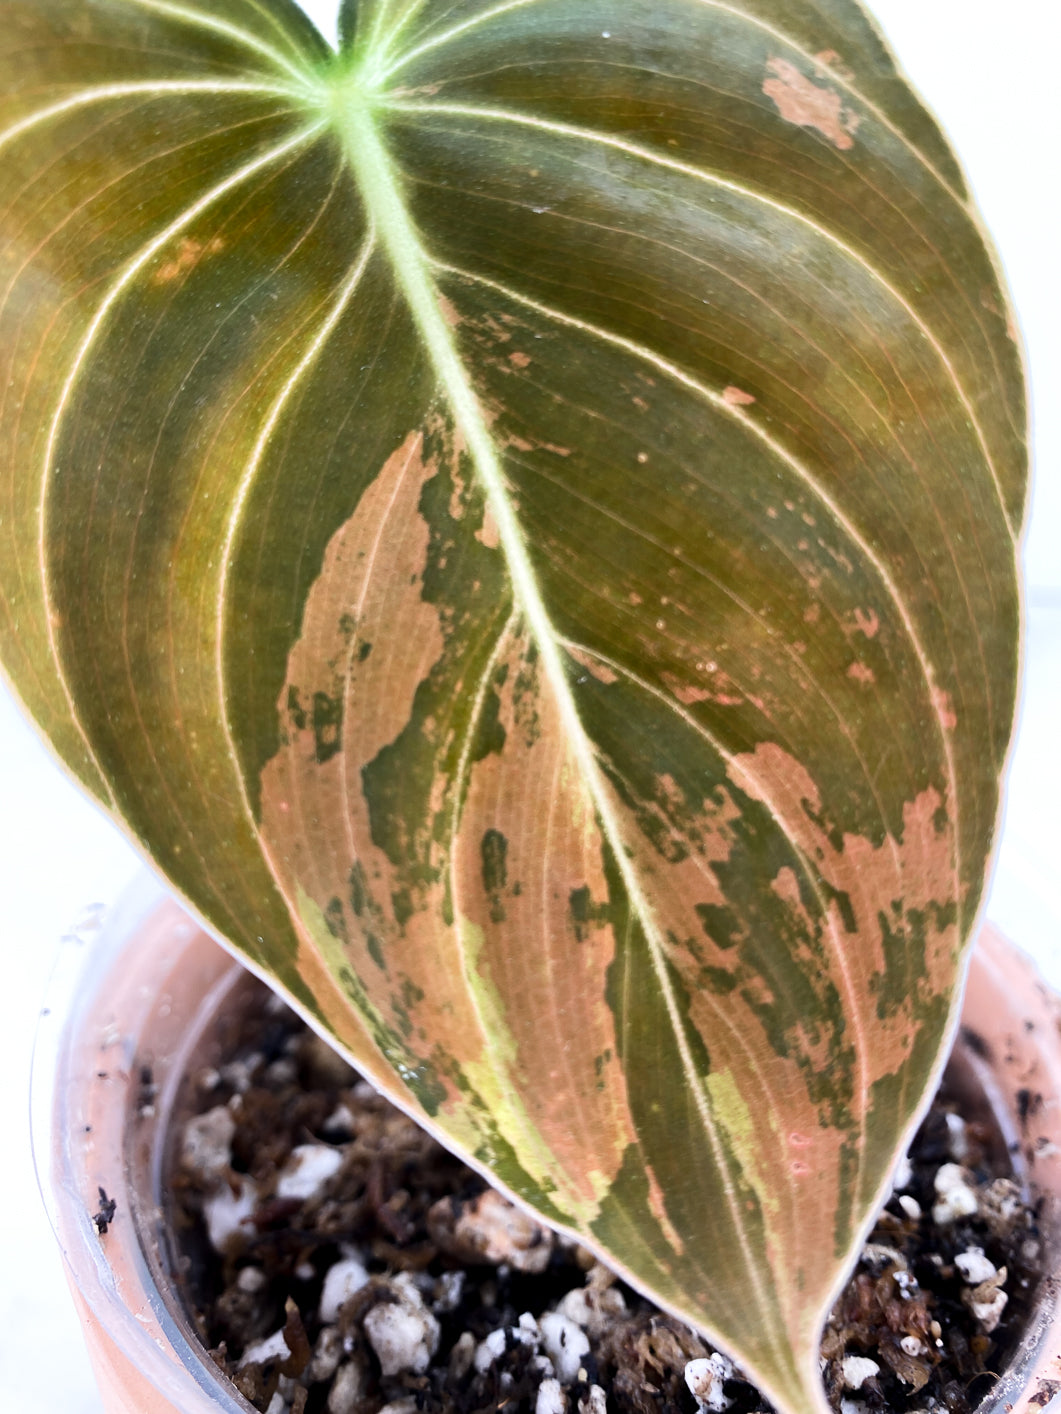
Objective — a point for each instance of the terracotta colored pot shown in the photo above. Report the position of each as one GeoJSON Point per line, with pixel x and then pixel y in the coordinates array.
{"type": "Point", "coordinates": [138, 1011]}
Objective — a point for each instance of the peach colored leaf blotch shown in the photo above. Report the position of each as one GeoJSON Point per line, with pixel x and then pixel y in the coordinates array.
{"type": "Point", "coordinates": [802, 102]}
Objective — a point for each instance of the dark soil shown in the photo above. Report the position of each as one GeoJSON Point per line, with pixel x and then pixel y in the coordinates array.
{"type": "Point", "coordinates": [448, 1288]}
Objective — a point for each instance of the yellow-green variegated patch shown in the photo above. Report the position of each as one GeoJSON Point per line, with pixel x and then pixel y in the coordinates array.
{"type": "Point", "coordinates": [517, 517]}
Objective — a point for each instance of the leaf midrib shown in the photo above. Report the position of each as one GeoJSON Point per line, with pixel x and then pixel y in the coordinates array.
{"type": "Point", "coordinates": [379, 185]}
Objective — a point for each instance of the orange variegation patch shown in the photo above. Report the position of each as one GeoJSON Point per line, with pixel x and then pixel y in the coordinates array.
{"type": "Point", "coordinates": [807, 105]}
{"type": "Point", "coordinates": [797, 1026]}
{"type": "Point", "coordinates": [528, 863]}
{"type": "Point", "coordinates": [350, 691]}
{"type": "Point", "coordinates": [873, 889]}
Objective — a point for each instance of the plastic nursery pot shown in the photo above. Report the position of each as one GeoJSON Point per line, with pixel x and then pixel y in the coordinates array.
{"type": "Point", "coordinates": [126, 1011]}
{"type": "Point", "coordinates": [151, 996]}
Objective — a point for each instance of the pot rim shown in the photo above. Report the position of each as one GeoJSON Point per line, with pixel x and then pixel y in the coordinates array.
{"type": "Point", "coordinates": [130, 1299]}
{"type": "Point", "coordinates": [127, 1303]}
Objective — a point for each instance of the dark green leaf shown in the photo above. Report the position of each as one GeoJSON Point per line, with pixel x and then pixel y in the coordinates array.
{"type": "Point", "coordinates": [518, 518]}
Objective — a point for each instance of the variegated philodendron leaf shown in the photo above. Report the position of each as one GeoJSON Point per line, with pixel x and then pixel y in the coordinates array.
{"type": "Point", "coordinates": [518, 519]}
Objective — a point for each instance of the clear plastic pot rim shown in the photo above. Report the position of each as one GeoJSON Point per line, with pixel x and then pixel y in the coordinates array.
{"type": "Point", "coordinates": [124, 1300]}
{"type": "Point", "coordinates": [123, 1296]}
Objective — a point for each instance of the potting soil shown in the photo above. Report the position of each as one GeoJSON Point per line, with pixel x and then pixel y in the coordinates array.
{"type": "Point", "coordinates": [336, 1260]}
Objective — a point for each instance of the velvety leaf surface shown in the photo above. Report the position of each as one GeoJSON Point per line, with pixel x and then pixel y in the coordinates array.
{"type": "Point", "coordinates": [518, 518]}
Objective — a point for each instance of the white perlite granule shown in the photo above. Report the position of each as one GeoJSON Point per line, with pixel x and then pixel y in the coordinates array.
{"type": "Point", "coordinates": [206, 1148]}
{"type": "Point", "coordinates": [704, 1379]}
{"type": "Point", "coordinates": [494, 1345]}
{"type": "Point", "coordinates": [402, 1333]}
{"type": "Point", "coordinates": [272, 1347]}
{"type": "Point", "coordinates": [565, 1344]}
{"type": "Point", "coordinates": [857, 1369]}
{"type": "Point", "coordinates": [904, 1174]}
{"type": "Point", "coordinates": [987, 1301]}
{"type": "Point", "coordinates": [594, 1308]}
{"type": "Point", "coordinates": [327, 1354]}
{"type": "Point", "coordinates": [957, 1139]}
{"type": "Point", "coordinates": [340, 1123]}
{"type": "Point", "coordinates": [594, 1402]}
{"type": "Point", "coordinates": [225, 1212]}
{"type": "Point", "coordinates": [307, 1171]}
{"type": "Point", "coordinates": [343, 1279]}
{"type": "Point", "coordinates": [956, 1197]}
{"type": "Point", "coordinates": [974, 1266]}
{"type": "Point", "coordinates": [347, 1389]}
{"type": "Point", "coordinates": [489, 1228]}
{"type": "Point", "coordinates": [400, 1406]}
{"type": "Point", "coordinates": [551, 1398]}
{"type": "Point", "coordinates": [989, 1311]}
{"type": "Point", "coordinates": [449, 1288]}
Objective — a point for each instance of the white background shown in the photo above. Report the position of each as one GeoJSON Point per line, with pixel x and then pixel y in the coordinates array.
{"type": "Point", "coordinates": [991, 73]}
